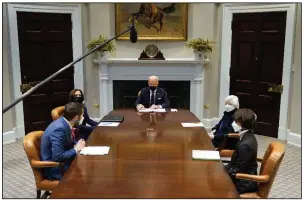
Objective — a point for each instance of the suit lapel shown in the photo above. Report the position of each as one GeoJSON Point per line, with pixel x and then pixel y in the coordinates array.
{"type": "Point", "coordinates": [68, 129]}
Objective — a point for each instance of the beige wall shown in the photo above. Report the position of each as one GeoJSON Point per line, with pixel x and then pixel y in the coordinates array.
{"type": "Point", "coordinates": [295, 102]}
{"type": "Point", "coordinates": [8, 123]}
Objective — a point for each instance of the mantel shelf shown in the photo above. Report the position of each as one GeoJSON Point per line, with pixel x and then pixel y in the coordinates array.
{"type": "Point", "coordinates": [136, 61]}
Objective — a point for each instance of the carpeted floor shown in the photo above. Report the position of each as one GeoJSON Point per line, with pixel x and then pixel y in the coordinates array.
{"type": "Point", "coordinates": [18, 180]}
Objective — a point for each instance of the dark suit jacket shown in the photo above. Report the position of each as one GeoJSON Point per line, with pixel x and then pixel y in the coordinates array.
{"type": "Point", "coordinates": [244, 161]}
{"type": "Point", "coordinates": [57, 145]}
{"type": "Point", "coordinates": [160, 98]}
{"type": "Point", "coordinates": [223, 128]}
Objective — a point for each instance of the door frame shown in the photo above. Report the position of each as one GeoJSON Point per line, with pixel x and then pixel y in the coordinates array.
{"type": "Point", "coordinates": [228, 11]}
{"type": "Point", "coordinates": [75, 11]}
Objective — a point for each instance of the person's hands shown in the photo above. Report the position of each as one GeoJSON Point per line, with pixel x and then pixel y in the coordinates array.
{"type": "Point", "coordinates": [140, 107]}
{"type": "Point", "coordinates": [80, 145]}
{"type": "Point", "coordinates": [211, 136]}
{"type": "Point", "coordinates": [155, 107]}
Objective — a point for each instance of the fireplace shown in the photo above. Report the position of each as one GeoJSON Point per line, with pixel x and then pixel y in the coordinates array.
{"type": "Point", "coordinates": [125, 93]}
{"type": "Point", "coordinates": [122, 78]}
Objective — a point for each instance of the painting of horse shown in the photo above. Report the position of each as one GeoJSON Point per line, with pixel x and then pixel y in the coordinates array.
{"type": "Point", "coordinates": [153, 21]}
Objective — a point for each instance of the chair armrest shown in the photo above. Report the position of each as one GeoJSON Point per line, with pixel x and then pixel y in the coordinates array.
{"type": "Point", "coordinates": [259, 159]}
{"type": "Point", "coordinates": [234, 135]}
{"type": "Point", "coordinates": [226, 153]}
{"type": "Point", "coordinates": [257, 178]}
{"type": "Point", "coordinates": [44, 164]}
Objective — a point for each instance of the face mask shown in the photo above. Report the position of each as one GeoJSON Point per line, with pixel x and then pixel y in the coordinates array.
{"type": "Point", "coordinates": [78, 99]}
{"type": "Point", "coordinates": [236, 127]}
{"type": "Point", "coordinates": [152, 88]}
{"type": "Point", "coordinates": [229, 108]}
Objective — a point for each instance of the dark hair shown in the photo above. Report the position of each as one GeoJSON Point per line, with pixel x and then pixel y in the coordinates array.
{"type": "Point", "coordinates": [246, 117]}
{"type": "Point", "coordinates": [72, 94]}
{"type": "Point", "coordinates": [72, 109]}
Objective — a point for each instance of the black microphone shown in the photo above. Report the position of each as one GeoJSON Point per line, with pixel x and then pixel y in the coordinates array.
{"type": "Point", "coordinates": [133, 33]}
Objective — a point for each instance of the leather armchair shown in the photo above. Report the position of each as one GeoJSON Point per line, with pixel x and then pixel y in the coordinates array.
{"type": "Point", "coordinates": [57, 112]}
{"type": "Point", "coordinates": [138, 94]}
{"type": "Point", "coordinates": [31, 144]}
{"type": "Point", "coordinates": [269, 167]}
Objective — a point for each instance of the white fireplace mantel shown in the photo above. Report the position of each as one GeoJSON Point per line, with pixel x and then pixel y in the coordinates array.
{"type": "Point", "coordinates": [182, 69]}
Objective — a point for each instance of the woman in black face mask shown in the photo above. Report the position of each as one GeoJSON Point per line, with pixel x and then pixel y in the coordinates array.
{"type": "Point", "coordinates": [76, 95]}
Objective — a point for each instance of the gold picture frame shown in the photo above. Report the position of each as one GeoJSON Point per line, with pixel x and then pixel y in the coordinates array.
{"type": "Point", "coordinates": [174, 19]}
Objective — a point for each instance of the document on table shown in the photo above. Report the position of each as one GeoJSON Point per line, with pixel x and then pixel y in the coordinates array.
{"type": "Point", "coordinates": [205, 155]}
{"type": "Point", "coordinates": [173, 110]}
{"type": "Point", "coordinates": [95, 150]}
{"type": "Point", "coordinates": [193, 124]}
{"type": "Point", "coordinates": [152, 110]}
{"type": "Point", "coordinates": [109, 124]}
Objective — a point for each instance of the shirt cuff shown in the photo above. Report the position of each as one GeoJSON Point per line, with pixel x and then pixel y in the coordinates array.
{"type": "Point", "coordinates": [160, 106]}
{"type": "Point", "coordinates": [76, 150]}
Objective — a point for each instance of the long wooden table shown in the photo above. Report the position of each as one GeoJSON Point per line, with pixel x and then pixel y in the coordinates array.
{"type": "Point", "coordinates": [150, 157]}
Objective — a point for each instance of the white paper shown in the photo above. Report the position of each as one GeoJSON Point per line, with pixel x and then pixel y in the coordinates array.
{"type": "Point", "coordinates": [94, 150]}
{"type": "Point", "coordinates": [173, 110]}
{"type": "Point", "coordinates": [206, 155]}
{"type": "Point", "coordinates": [109, 124]}
{"type": "Point", "coordinates": [154, 110]}
{"type": "Point", "coordinates": [194, 124]}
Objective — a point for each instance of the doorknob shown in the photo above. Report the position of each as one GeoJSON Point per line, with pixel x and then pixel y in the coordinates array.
{"type": "Point", "coordinates": [25, 87]}
{"type": "Point", "coordinates": [275, 88]}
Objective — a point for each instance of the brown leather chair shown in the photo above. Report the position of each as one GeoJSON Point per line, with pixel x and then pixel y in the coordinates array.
{"type": "Point", "coordinates": [57, 112]}
{"type": "Point", "coordinates": [31, 144]}
{"type": "Point", "coordinates": [138, 94]}
{"type": "Point", "coordinates": [270, 164]}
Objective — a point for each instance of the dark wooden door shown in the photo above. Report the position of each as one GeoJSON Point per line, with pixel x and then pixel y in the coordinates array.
{"type": "Point", "coordinates": [45, 46]}
{"type": "Point", "coordinates": [257, 63]}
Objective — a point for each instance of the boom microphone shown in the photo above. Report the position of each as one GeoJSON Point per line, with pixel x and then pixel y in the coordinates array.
{"type": "Point", "coordinates": [133, 33]}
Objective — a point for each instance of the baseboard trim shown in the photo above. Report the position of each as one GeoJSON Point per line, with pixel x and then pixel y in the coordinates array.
{"type": "Point", "coordinates": [294, 139]}
{"type": "Point", "coordinates": [9, 137]}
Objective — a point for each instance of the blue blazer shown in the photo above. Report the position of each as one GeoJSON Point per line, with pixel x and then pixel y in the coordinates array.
{"type": "Point", "coordinates": [57, 145]}
{"type": "Point", "coordinates": [160, 98]}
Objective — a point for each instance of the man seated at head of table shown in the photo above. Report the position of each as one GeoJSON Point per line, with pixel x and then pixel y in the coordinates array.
{"type": "Point", "coordinates": [57, 140]}
{"type": "Point", "coordinates": [152, 97]}
{"type": "Point", "coordinates": [244, 158]}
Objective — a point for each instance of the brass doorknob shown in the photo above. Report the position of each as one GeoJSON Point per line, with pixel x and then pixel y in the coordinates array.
{"type": "Point", "coordinates": [25, 87]}
{"type": "Point", "coordinates": [276, 88]}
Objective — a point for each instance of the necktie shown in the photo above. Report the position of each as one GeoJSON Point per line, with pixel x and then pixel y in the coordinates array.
{"type": "Point", "coordinates": [152, 101]}
{"type": "Point", "coordinates": [73, 134]}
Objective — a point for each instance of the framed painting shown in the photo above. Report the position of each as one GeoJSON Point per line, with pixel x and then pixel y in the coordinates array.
{"type": "Point", "coordinates": [153, 21]}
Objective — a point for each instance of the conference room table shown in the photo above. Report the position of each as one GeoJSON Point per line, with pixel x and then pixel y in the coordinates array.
{"type": "Point", "coordinates": [150, 156]}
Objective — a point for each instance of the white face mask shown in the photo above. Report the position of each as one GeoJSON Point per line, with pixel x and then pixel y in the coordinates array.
{"type": "Point", "coordinates": [236, 127]}
{"type": "Point", "coordinates": [229, 108]}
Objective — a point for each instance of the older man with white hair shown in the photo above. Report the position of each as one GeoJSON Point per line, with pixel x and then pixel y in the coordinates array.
{"type": "Point", "coordinates": [225, 125]}
{"type": "Point", "coordinates": [152, 96]}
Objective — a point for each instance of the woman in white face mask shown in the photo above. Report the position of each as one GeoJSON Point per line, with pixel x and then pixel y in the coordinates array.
{"type": "Point", "coordinates": [225, 126]}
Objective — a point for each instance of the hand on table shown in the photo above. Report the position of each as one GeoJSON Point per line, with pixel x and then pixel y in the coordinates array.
{"type": "Point", "coordinates": [155, 107]}
{"type": "Point", "coordinates": [80, 145]}
{"type": "Point", "coordinates": [140, 107]}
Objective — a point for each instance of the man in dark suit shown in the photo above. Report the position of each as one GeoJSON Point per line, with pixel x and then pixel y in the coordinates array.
{"type": "Point", "coordinates": [152, 97]}
{"type": "Point", "coordinates": [57, 141]}
{"type": "Point", "coordinates": [244, 157]}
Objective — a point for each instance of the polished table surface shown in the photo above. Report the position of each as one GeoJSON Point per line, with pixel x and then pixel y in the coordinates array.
{"type": "Point", "coordinates": [150, 157]}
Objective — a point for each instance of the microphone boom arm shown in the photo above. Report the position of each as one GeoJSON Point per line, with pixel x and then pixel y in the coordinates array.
{"type": "Point", "coordinates": [61, 70]}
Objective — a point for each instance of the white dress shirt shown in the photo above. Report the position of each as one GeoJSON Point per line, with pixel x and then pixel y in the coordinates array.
{"type": "Point", "coordinates": [154, 96]}
{"type": "Point", "coordinates": [71, 130]}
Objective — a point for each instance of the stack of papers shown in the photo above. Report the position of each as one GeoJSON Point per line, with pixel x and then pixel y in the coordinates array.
{"type": "Point", "coordinates": [205, 155]}
{"type": "Point", "coordinates": [195, 124]}
{"type": "Point", "coordinates": [153, 110]}
{"type": "Point", "coordinates": [173, 110]}
{"type": "Point", "coordinates": [109, 124]}
{"type": "Point", "coordinates": [103, 150]}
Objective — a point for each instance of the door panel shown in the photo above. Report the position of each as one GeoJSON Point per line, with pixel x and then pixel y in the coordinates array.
{"type": "Point", "coordinates": [45, 46]}
{"type": "Point", "coordinates": [257, 54]}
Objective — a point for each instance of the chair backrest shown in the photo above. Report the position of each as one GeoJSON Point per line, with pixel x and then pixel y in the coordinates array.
{"type": "Point", "coordinates": [270, 165]}
{"type": "Point", "coordinates": [31, 145]}
{"type": "Point", "coordinates": [57, 112]}
{"type": "Point", "coordinates": [139, 93]}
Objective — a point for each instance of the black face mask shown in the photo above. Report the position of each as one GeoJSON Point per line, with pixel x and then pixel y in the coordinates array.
{"type": "Point", "coordinates": [77, 99]}
{"type": "Point", "coordinates": [152, 88]}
